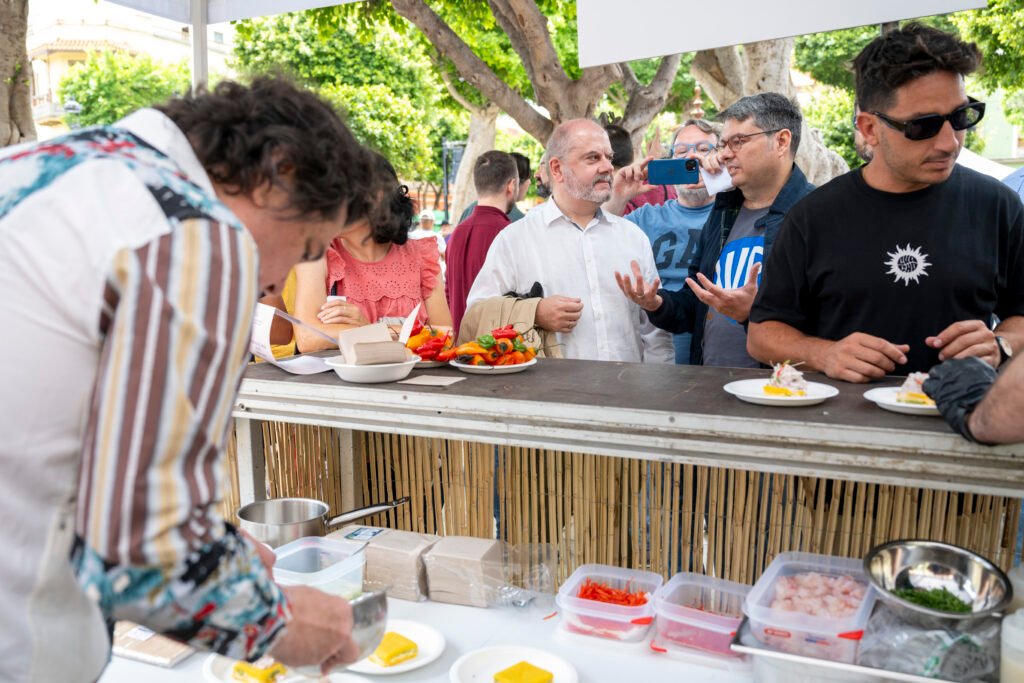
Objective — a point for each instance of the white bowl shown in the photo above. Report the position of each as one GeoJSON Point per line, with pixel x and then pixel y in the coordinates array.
{"type": "Point", "coordinates": [371, 374]}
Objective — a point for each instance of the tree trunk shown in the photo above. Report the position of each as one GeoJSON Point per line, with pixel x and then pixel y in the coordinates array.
{"type": "Point", "coordinates": [562, 97]}
{"type": "Point", "coordinates": [726, 74]}
{"type": "Point", "coordinates": [482, 131]}
{"type": "Point", "coordinates": [15, 75]}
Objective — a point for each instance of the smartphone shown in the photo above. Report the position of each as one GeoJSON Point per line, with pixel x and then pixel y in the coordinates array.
{"type": "Point", "coordinates": [673, 172]}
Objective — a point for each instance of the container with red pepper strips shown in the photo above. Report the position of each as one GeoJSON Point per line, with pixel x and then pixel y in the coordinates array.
{"type": "Point", "coordinates": [609, 602]}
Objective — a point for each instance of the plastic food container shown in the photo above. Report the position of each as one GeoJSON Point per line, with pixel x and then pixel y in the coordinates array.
{"type": "Point", "coordinates": [605, 620]}
{"type": "Point", "coordinates": [821, 636]}
{"type": "Point", "coordinates": [327, 564]}
{"type": "Point", "coordinates": [699, 612]}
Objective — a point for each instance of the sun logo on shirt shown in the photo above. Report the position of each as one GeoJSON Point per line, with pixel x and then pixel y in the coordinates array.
{"type": "Point", "coordinates": [907, 264]}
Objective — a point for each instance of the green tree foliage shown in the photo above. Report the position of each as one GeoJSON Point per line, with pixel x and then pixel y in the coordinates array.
{"type": "Point", "coordinates": [388, 122]}
{"type": "Point", "coordinates": [831, 112]}
{"type": "Point", "coordinates": [827, 57]}
{"type": "Point", "coordinates": [111, 85]}
{"type": "Point", "coordinates": [382, 80]}
{"type": "Point", "coordinates": [999, 32]}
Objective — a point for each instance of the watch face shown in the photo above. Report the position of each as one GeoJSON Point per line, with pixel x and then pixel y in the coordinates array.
{"type": "Point", "coordinates": [1004, 347]}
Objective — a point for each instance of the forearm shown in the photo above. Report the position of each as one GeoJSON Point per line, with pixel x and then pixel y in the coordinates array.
{"type": "Point", "coordinates": [219, 598]}
{"type": "Point", "coordinates": [997, 419]}
{"type": "Point", "coordinates": [676, 313]}
{"type": "Point", "coordinates": [306, 341]}
{"type": "Point", "coordinates": [773, 342]}
{"type": "Point", "coordinates": [616, 204]}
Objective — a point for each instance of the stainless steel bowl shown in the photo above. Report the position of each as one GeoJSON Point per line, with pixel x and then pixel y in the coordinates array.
{"type": "Point", "coordinates": [930, 564]}
{"type": "Point", "coordinates": [369, 622]}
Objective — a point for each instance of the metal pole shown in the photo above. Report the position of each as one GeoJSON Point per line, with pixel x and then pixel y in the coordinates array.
{"type": "Point", "coordinates": [444, 169]}
{"type": "Point", "coordinates": [197, 33]}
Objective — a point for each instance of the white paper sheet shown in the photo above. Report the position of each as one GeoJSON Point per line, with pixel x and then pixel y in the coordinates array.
{"type": "Point", "coordinates": [431, 380]}
{"type": "Point", "coordinates": [720, 182]}
{"type": "Point", "coordinates": [259, 346]}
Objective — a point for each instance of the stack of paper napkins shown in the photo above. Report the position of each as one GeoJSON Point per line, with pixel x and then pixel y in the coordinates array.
{"type": "Point", "coordinates": [371, 345]}
{"type": "Point", "coordinates": [394, 559]}
{"type": "Point", "coordinates": [465, 571]}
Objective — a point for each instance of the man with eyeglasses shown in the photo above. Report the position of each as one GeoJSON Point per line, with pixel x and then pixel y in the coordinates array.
{"type": "Point", "coordinates": [900, 264]}
{"type": "Point", "coordinates": [673, 226]}
{"type": "Point", "coordinates": [760, 137]}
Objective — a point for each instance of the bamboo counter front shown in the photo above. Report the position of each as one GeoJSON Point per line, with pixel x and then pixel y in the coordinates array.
{"type": "Point", "coordinates": [627, 464]}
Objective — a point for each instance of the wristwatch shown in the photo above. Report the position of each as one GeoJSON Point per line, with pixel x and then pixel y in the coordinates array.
{"type": "Point", "coordinates": [1005, 350]}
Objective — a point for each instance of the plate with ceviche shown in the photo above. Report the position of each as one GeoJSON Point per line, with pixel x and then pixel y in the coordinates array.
{"type": "Point", "coordinates": [786, 387]}
{"type": "Point", "coordinates": [908, 398]}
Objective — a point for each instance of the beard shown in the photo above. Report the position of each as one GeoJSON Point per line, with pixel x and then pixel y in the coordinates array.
{"type": "Point", "coordinates": [580, 190]}
{"type": "Point", "coordinates": [692, 196]}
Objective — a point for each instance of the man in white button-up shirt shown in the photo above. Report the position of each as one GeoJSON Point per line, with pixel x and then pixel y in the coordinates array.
{"type": "Point", "coordinates": [572, 248]}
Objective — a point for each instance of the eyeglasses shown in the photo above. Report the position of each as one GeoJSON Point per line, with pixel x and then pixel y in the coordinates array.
{"type": "Point", "coordinates": [736, 142]}
{"type": "Point", "coordinates": [924, 127]}
{"type": "Point", "coordinates": [681, 149]}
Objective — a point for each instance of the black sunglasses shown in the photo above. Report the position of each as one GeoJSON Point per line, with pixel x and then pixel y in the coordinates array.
{"type": "Point", "coordinates": [924, 127]}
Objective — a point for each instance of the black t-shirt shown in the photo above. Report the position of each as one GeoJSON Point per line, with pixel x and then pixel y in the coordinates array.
{"type": "Point", "coordinates": [903, 267]}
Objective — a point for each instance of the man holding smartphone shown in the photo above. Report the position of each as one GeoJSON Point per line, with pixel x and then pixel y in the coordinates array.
{"type": "Point", "coordinates": [760, 137]}
{"type": "Point", "coordinates": [674, 226]}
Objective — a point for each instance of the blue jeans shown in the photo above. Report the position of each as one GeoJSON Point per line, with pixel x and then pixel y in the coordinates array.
{"type": "Point", "coordinates": [682, 344]}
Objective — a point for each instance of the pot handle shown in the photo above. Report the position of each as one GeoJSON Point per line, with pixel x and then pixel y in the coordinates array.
{"type": "Point", "coordinates": [359, 513]}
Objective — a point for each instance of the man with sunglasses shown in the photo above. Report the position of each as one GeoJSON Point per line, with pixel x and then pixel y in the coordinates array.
{"type": "Point", "coordinates": [760, 138]}
{"type": "Point", "coordinates": [673, 226]}
{"type": "Point", "coordinates": [903, 263]}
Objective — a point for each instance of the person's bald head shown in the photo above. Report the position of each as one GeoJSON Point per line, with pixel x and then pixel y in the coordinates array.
{"type": "Point", "coordinates": [580, 161]}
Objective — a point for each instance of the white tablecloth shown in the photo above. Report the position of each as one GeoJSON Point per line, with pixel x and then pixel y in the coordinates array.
{"type": "Point", "coordinates": [466, 629]}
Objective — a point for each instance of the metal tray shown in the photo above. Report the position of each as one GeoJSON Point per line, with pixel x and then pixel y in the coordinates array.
{"type": "Point", "coordinates": [795, 668]}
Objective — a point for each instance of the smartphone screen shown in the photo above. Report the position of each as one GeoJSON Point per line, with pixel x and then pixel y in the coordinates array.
{"type": "Point", "coordinates": [673, 172]}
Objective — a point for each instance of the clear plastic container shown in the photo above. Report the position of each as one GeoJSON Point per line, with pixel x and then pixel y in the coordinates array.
{"type": "Point", "coordinates": [821, 636]}
{"type": "Point", "coordinates": [327, 564]}
{"type": "Point", "coordinates": [1012, 656]}
{"type": "Point", "coordinates": [605, 620]}
{"type": "Point", "coordinates": [699, 612]}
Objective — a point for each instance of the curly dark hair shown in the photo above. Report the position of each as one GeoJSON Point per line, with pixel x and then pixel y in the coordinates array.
{"type": "Point", "coordinates": [273, 130]}
{"type": "Point", "coordinates": [391, 219]}
{"type": "Point", "coordinates": [908, 53]}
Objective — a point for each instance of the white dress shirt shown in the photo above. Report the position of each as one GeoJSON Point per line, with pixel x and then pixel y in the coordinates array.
{"type": "Point", "coordinates": [547, 247]}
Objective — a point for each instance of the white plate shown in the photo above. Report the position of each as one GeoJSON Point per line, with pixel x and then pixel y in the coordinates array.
{"type": "Point", "coordinates": [752, 391]}
{"type": "Point", "coordinates": [885, 397]}
{"type": "Point", "coordinates": [427, 638]}
{"type": "Point", "coordinates": [480, 666]}
{"type": "Point", "coordinates": [372, 374]}
{"type": "Point", "coordinates": [217, 669]}
{"type": "Point", "coordinates": [493, 369]}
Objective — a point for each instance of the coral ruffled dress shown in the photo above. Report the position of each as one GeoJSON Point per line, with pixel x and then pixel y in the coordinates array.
{"type": "Point", "coordinates": [390, 287]}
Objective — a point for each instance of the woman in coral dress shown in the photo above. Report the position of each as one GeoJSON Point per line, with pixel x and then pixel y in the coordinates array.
{"type": "Point", "coordinates": [379, 271]}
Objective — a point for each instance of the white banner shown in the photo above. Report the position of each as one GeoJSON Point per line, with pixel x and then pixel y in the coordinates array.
{"type": "Point", "coordinates": [612, 31]}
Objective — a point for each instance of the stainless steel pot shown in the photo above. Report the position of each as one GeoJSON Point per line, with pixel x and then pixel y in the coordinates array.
{"type": "Point", "coordinates": [282, 520]}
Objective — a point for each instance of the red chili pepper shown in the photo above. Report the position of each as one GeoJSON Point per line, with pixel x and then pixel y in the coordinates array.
{"type": "Point", "coordinates": [417, 327]}
{"type": "Point", "coordinates": [504, 333]}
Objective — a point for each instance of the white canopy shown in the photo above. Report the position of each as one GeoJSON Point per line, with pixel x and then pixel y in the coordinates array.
{"type": "Point", "coordinates": [200, 13]}
{"type": "Point", "coordinates": [611, 31]}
